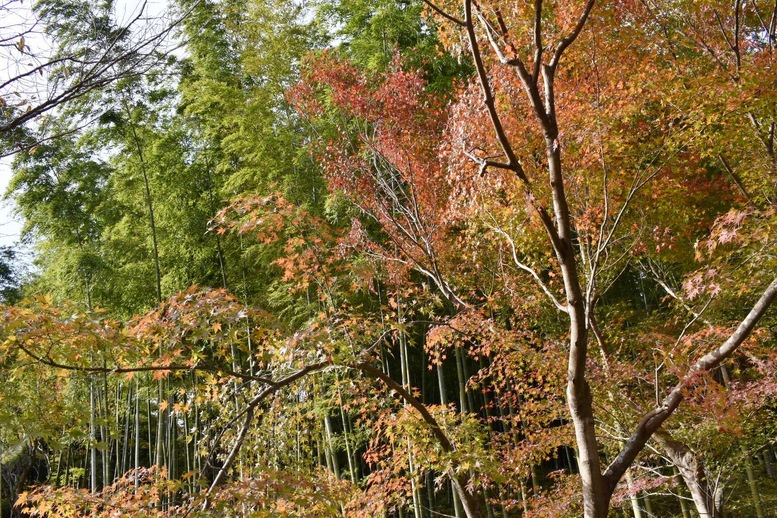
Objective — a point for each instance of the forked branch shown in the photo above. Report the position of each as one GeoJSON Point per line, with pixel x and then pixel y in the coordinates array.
{"type": "Point", "coordinates": [653, 420]}
{"type": "Point", "coordinates": [248, 413]}
{"type": "Point", "coordinates": [572, 36]}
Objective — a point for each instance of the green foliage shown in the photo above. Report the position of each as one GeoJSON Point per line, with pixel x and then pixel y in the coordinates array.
{"type": "Point", "coordinates": [9, 276]}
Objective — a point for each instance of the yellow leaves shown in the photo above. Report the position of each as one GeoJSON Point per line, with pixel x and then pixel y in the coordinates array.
{"type": "Point", "coordinates": [160, 374]}
{"type": "Point", "coordinates": [122, 497]}
{"type": "Point", "coordinates": [23, 499]}
{"type": "Point", "coordinates": [181, 408]}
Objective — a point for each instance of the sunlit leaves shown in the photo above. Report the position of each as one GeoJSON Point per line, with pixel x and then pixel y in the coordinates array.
{"type": "Point", "coordinates": [275, 493]}
{"type": "Point", "coordinates": [123, 497]}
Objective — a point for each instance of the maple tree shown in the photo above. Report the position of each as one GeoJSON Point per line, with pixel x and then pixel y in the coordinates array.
{"type": "Point", "coordinates": [588, 233]}
{"type": "Point", "coordinates": [578, 258]}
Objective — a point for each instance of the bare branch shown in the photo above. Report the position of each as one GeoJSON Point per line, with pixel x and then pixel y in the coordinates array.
{"type": "Point", "coordinates": [97, 74]}
{"type": "Point", "coordinates": [529, 270]}
{"type": "Point", "coordinates": [445, 15]}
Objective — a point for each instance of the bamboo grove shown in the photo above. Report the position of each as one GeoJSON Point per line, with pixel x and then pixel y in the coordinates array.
{"type": "Point", "coordinates": [390, 258]}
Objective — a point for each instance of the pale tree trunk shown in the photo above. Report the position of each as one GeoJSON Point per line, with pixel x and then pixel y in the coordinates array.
{"type": "Point", "coordinates": [159, 458]}
{"type": "Point", "coordinates": [684, 507]}
{"type": "Point", "coordinates": [137, 434]}
{"type": "Point", "coordinates": [102, 401]}
{"type": "Point", "coordinates": [149, 202]}
{"type": "Point", "coordinates": [56, 477]}
{"type": "Point", "coordinates": [149, 433]}
{"type": "Point", "coordinates": [756, 496]}
{"type": "Point", "coordinates": [633, 497]}
{"type": "Point", "coordinates": [751, 482]}
{"type": "Point", "coordinates": [330, 445]}
{"type": "Point", "coordinates": [457, 509]}
{"type": "Point", "coordinates": [405, 371]}
{"type": "Point", "coordinates": [464, 405]}
{"type": "Point", "coordinates": [188, 450]}
{"type": "Point", "coordinates": [67, 466]}
{"type": "Point", "coordinates": [648, 505]}
{"type": "Point", "coordinates": [347, 436]}
{"type": "Point", "coordinates": [706, 499]}
{"type": "Point", "coordinates": [92, 438]}
{"type": "Point", "coordinates": [767, 456]}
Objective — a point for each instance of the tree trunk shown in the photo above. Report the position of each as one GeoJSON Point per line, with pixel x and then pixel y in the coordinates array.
{"type": "Point", "coordinates": [648, 505]}
{"type": "Point", "coordinates": [67, 466]}
{"type": "Point", "coordinates": [759, 511]}
{"type": "Point", "coordinates": [330, 445]}
{"type": "Point", "coordinates": [102, 401]}
{"type": "Point", "coordinates": [92, 438]}
{"type": "Point", "coordinates": [137, 434]}
{"type": "Point", "coordinates": [461, 379]}
{"type": "Point", "coordinates": [690, 469]}
{"type": "Point", "coordinates": [767, 456]}
{"type": "Point", "coordinates": [457, 508]}
{"type": "Point", "coordinates": [634, 497]}
{"type": "Point", "coordinates": [596, 493]}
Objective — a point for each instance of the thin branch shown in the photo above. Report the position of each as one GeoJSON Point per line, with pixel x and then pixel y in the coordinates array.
{"type": "Point", "coordinates": [45, 360]}
{"type": "Point", "coordinates": [672, 293]}
{"type": "Point", "coordinates": [28, 146]}
{"type": "Point", "coordinates": [737, 28]}
{"type": "Point", "coordinates": [538, 49]}
{"type": "Point", "coordinates": [460, 481]}
{"type": "Point", "coordinates": [35, 70]}
{"type": "Point", "coordinates": [773, 25]}
{"type": "Point", "coordinates": [723, 30]}
{"type": "Point", "coordinates": [96, 76]}
{"type": "Point", "coordinates": [696, 316]}
{"type": "Point", "coordinates": [734, 177]}
{"type": "Point", "coordinates": [488, 96]}
{"type": "Point", "coordinates": [445, 15]}
{"type": "Point", "coordinates": [434, 426]}
{"type": "Point", "coordinates": [248, 412]}
{"type": "Point", "coordinates": [653, 420]}
{"type": "Point", "coordinates": [767, 141]}
{"type": "Point", "coordinates": [496, 122]}
{"type": "Point", "coordinates": [494, 44]}
{"type": "Point", "coordinates": [529, 270]}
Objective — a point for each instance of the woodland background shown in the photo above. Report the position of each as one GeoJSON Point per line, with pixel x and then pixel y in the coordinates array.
{"type": "Point", "coordinates": [390, 258]}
